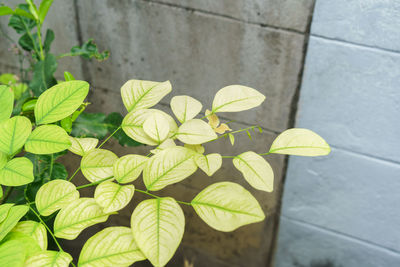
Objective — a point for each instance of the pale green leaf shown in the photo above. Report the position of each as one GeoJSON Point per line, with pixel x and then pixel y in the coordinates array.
{"type": "Point", "coordinates": [80, 146]}
{"type": "Point", "coordinates": [78, 215]}
{"type": "Point", "coordinates": [49, 259]}
{"type": "Point", "coordinates": [43, 9]}
{"type": "Point", "coordinates": [300, 142]}
{"type": "Point", "coordinates": [185, 107]}
{"type": "Point", "coordinates": [209, 163]}
{"type": "Point", "coordinates": [14, 215]}
{"type": "Point", "coordinates": [60, 101]}
{"type": "Point", "coordinates": [30, 244]}
{"type": "Point", "coordinates": [231, 139]}
{"type": "Point", "coordinates": [167, 167]}
{"type": "Point", "coordinates": [195, 132]}
{"type": "Point", "coordinates": [156, 126]}
{"type": "Point", "coordinates": [197, 148]}
{"type": "Point", "coordinates": [234, 98]}
{"type": "Point", "coordinates": [112, 246]}
{"type": "Point", "coordinates": [226, 206]}
{"type": "Point", "coordinates": [18, 171]}
{"type": "Point", "coordinates": [98, 164]}
{"type": "Point", "coordinates": [256, 170]}
{"type": "Point", "coordinates": [113, 197]}
{"type": "Point", "coordinates": [133, 125]}
{"type": "Point", "coordinates": [158, 226]}
{"type": "Point", "coordinates": [55, 195]}
{"type": "Point", "coordinates": [137, 94]}
{"type": "Point", "coordinates": [6, 102]}
{"type": "Point", "coordinates": [33, 229]}
{"type": "Point", "coordinates": [12, 253]}
{"type": "Point", "coordinates": [4, 209]}
{"type": "Point", "coordinates": [3, 159]}
{"type": "Point", "coordinates": [13, 134]}
{"type": "Point", "coordinates": [166, 144]}
{"type": "Point", "coordinates": [128, 168]}
{"type": "Point", "coordinates": [47, 139]}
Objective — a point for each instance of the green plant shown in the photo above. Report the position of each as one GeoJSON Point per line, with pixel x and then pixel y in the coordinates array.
{"type": "Point", "coordinates": [157, 224]}
{"type": "Point", "coordinates": [37, 67]}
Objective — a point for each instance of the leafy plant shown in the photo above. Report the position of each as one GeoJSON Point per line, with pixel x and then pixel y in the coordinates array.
{"type": "Point", "coordinates": [157, 224]}
{"type": "Point", "coordinates": [37, 66]}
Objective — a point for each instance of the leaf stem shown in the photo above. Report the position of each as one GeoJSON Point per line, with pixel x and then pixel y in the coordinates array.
{"type": "Point", "coordinates": [94, 183]}
{"type": "Point", "coordinates": [105, 141]}
{"type": "Point", "coordinates": [237, 131]}
{"type": "Point", "coordinates": [45, 225]}
{"type": "Point", "coordinates": [73, 175]}
{"type": "Point", "coordinates": [40, 40]}
{"type": "Point", "coordinates": [149, 194]}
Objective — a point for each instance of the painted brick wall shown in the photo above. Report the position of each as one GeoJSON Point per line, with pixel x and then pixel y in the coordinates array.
{"type": "Point", "coordinates": [342, 210]}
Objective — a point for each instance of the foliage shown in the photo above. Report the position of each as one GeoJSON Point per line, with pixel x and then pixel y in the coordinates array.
{"type": "Point", "coordinates": [158, 223]}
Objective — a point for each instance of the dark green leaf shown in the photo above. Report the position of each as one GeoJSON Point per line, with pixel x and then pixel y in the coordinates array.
{"type": "Point", "coordinates": [43, 75]}
{"type": "Point", "coordinates": [89, 50]}
{"type": "Point", "coordinates": [48, 40]}
{"type": "Point", "coordinates": [26, 43]}
{"type": "Point", "coordinates": [114, 120]}
{"type": "Point", "coordinates": [21, 23]}
{"type": "Point", "coordinates": [90, 125]}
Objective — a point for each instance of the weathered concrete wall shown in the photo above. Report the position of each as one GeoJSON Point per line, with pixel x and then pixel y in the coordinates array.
{"type": "Point", "coordinates": [200, 46]}
{"type": "Point", "coordinates": [341, 209]}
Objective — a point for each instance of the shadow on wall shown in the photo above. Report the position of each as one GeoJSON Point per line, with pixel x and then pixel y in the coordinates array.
{"type": "Point", "coordinates": [317, 263]}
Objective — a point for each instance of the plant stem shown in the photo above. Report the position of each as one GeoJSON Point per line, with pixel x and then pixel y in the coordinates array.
{"type": "Point", "coordinates": [237, 131]}
{"type": "Point", "coordinates": [149, 194]}
{"type": "Point", "coordinates": [45, 225]}
{"type": "Point", "coordinates": [264, 154]}
{"type": "Point", "coordinates": [109, 137]}
{"type": "Point", "coordinates": [94, 183]}
{"type": "Point", "coordinates": [29, 35]}
{"type": "Point", "coordinates": [73, 175]}
{"type": "Point", "coordinates": [40, 41]}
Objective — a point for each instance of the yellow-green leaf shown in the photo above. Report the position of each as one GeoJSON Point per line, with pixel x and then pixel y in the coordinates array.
{"type": "Point", "coordinates": [80, 146]}
{"type": "Point", "coordinates": [209, 163]}
{"type": "Point", "coordinates": [3, 159]}
{"type": "Point", "coordinates": [98, 164]}
{"type": "Point", "coordinates": [137, 94]}
{"type": "Point", "coordinates": [156, 126]}
{"type": "Point", "coordinates": [166, 144]}
{"type": "Point", "coordinates": [112, 246]}
{"type": "Point", "coordinates": [13, 134]}
{"type": "Point", "coordinates": [195, 132]}
{"type": "Point", "coordinates": [128, 168]}
{"type": "Point", "coordinates": [226, 206]}
{"type": "Point", "coordinates": [14, 215]}
{"type": "Point", "coordinates": [60, 101]}
{"type": "Point", "coordinates": [133, 122]}
{"type": "Point", "coordinates": [33, 229]}
{"type": "Point", "coordinates": [256, 170]}
{"type": "Point", "coordinates": [77, 216]}
{"type": "Point", "coordinates": [234, 98]}
{"type": "Point", "coordinates": [197, 148]}
{"type": "Point", "coordinates": [6, 102]}
{"type": "Point", "coordinates": [47, 139]}
{"type": "Point", "coordinates": [55, 195]}
{"type": "Point", "coordinates": [30, 244]}
{"type": "Point", "coordinates": [12, 253]}
{"type": "Point", "coordinates": [185, 107]}
{"type": "Point", "coordinates": [16, 172]}
{"type": "Point", "coordinates": [158, 226]}
{"type": "Point", "coordinates": [49, 258]}
{"type": "Point", "coordinates": [113, 197]}
{"type": "Point", "coordinates": [300, 142]}
{"type": "Point", "coordinates": [169, 166]}
{"type": "Point", "coordinates": [4, 209]}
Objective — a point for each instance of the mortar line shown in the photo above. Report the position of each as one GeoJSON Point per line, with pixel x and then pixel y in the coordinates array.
{"type": "Point", "coordinates": [357, 45]}
{"type": "Point", "coordinates": [224, 16]}
{"type": "Point", "coordinates": [340, 234]}
{"type": "Point", "coordinates": [291, 124]}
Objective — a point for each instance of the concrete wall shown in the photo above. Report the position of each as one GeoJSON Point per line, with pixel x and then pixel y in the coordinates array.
{"type": "Point", "coordinates": [342, 210]}
{"type": "Point", "coordinates": [200, 46]}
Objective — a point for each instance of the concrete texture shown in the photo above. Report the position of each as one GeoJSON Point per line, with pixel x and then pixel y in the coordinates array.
{"type": "Point", "coordinates": [288, 14]}
{"type": "Point", "coordinates": [201, 46]}
{"type": "Point", "coordinates": [371, 23]}
{"type": "Point", "coordinates": [303, 245]}
{"type": "Point", "coordinates": [340, 210]}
